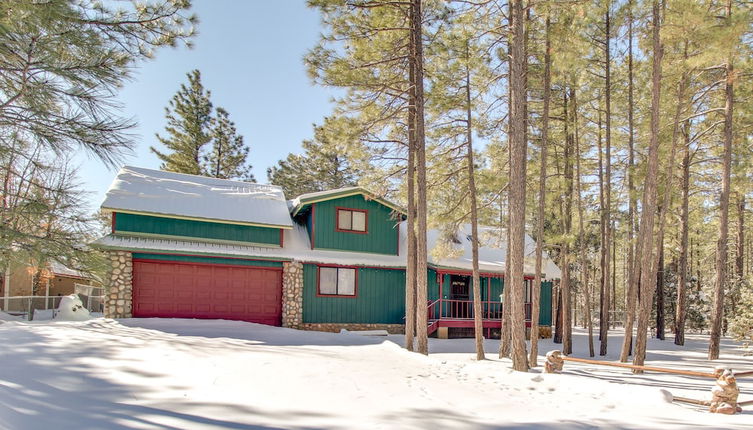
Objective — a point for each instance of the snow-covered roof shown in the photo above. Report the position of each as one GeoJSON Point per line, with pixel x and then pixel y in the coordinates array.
{"type": "Point", "coordinates": [61, 269]}
{"type": "Point", "coordinates": [298, 247]}
{"type": "Point", "coordinates": [306, 199]}
{"type": "Point", "coordinates": [492, 251]}
{"type": "Point", "coordinates": [160, 193]}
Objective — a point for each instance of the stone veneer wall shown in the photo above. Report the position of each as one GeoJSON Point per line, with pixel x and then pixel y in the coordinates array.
{"type": "Point", "coordinates": [292, 294]}
{"type": "Point", "coordinates": [336, 327]}
{"type": "Point", "coordinates": [119, 300]}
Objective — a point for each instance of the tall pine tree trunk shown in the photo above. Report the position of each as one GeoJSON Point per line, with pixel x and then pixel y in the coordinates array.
{"type": "Point", "coordinates": [517, 194]}
{"type": "Point", "coordinates": [682, 283]}
{"type": "Point", "coordinates": [720, 278]}
{"type": "Point", "coordinates": [478, 322]}
{"type": "Point", "coordinates": [533, 355]}
{"type": "Point", "coordinates": [411, 309]}
{"type": "Point", "coordinates": [631, 293]}
{"type": "Point", "coordinates": [664, 207]}
{"type": "Point", "coordinates": [421, 209]}
{"type": "Point", "coordinates": [567, 325]}
{"type": "Point", "coordinates": [606, 210]}
{"type": "Point", "coordinates": [660, 292]}
{"type": "Point", "coordinates": [581, 235]}
{"type": "Point", "coordinates": [648, 211]}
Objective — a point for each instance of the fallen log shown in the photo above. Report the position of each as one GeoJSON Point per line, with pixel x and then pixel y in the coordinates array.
{"type": "Point", "coordinates": [692, 401]}
{"type": "Point", "coordinates": [644, 368]}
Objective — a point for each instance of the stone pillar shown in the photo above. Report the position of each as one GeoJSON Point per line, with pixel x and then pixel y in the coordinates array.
{"type": "Point", "coordinates": [118, 303]}
{"type": "Point", "coordinates": [292, 294]}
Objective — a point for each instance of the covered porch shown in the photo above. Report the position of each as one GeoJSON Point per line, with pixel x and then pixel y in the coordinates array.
{"type": "Point", "coordinates": [451, 301]}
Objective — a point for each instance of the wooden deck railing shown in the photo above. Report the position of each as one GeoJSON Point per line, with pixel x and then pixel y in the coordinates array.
{"type": "Point", "coordinates": [463, 309]}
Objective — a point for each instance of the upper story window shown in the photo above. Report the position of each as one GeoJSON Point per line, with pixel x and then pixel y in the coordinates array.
{"type": "Point", "coordinates": [352, 220]}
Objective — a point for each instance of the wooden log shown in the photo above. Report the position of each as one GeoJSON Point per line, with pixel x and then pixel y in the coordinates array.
{"type": "Point", "coordinates": [745, 403]}
{"type": "Point", "coordinates": [692, 401]}
{"type": "Point", "coordinates": [644, 368]}
{"type": "Point", "coordinates": [743, 374]}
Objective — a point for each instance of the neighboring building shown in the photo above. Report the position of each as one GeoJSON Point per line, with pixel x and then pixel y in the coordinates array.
{"type": "Point", "coordinates": [187, 246]}
{"type": "Point", "coordinates": [58, 280]}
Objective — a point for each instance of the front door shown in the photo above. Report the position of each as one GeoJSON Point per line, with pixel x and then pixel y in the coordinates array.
{"type": "Point", "coordinates": [460, 296]}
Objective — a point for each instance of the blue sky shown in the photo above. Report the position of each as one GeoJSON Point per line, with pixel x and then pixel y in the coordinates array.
{"type": "Point", "coordinates": [250, 54]}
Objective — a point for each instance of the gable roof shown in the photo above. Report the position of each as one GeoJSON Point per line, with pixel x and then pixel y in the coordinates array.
{"type": "Point", "coordinates": [304, 200]}
{"type": "Point", "coordinates": [178, 195]}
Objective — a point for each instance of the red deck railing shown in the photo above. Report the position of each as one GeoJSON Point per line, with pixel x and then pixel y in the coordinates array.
{"type": "Point", "coordinates": [463, 310]}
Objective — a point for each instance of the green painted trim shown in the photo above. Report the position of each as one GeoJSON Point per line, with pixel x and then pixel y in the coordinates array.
{"type": "Point", "coordinates": [359, 252]}
{"type": "Point", "coordinates": [218, 221]}
{"type": "Point", "coordinates": [133, 249]}
{"type": "Point", "coordinates": [207, 260]}
{"type": "Point", "coordinates": [336, 195]}
{"type": "Point", "coordinates": [195, 239]}
{"type": "Point", "coordinates": [356, 265]}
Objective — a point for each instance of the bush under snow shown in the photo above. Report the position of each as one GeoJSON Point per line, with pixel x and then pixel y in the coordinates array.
{"type": "Point", "coordinates": [72, 309]}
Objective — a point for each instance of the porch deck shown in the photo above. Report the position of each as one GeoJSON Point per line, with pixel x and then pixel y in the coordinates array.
{"type": "Point", "coordinates": [459, 314]}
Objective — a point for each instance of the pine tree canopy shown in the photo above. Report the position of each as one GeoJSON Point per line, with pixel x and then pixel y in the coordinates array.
{"type": "Point", "coordinates": [189, 127]}
{"type": "Point", "coordinates": [227, 158]}
{"type": "Point", "coordinates": [62, 61]}
{"type": "Point", "coordinates": [319, 168]}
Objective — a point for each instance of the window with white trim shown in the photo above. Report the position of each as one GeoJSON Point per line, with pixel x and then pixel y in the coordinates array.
{"type": "Point", "coordinates": [337, 281]}
{"type": "Point", "coordinates": [351, 220]}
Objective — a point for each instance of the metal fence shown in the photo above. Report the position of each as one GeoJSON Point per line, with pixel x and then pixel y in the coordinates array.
{"type": "Point", "coordinates": [44, 307]}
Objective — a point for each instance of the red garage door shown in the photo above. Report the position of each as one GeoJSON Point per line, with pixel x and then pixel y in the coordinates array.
{"type": "Point", "coordinates": [178, 290]}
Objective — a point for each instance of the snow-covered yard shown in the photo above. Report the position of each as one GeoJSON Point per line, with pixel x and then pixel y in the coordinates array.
{"type": "Point", "coordinates": [192, 374]}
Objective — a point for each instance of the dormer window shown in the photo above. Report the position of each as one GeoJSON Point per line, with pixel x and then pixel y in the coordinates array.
{"type": "Point", "coordinates": [352, 220]}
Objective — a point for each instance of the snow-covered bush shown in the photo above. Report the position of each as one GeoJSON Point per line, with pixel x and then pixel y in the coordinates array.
{"type": "Point", "coordinates": [71, 308]}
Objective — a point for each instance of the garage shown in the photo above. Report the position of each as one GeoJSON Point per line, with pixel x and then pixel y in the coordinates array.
{"type": "Point", "coordinates": [190, 290]}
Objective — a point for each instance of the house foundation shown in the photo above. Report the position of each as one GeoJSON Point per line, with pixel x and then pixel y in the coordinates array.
{"type": "Point", "coordinates": [336, 327]}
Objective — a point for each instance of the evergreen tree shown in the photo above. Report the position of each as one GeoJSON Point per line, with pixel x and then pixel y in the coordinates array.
{"type": "Point", "coordinates": [227, 158]}
{"type": "Point", "coordinates": [189, 127]}
{"type": "Point", "coordinates": [319, 168]}
{"type": "Point", "coordinates": [62, 62]}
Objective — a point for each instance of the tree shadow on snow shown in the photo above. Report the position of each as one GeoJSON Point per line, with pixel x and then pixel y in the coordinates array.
{"type": "Point", "coordinates": [48, 384]}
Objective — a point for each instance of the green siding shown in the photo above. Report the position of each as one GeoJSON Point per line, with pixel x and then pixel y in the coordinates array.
{"type": "Point", "coordinates": [497, 288]}
{"type": "Point", "coordinates": [382, 231]}
{"type": "Point", "coordinates": [380, 299]}
{"type": "Point", "coordinates": [207, 260]}
{"type": "Point", "coordinates": [145, 224]}
{"type": "Point", "coordinates": [432, 285]}
{"type": "Point", "coordinates": [545, 306]}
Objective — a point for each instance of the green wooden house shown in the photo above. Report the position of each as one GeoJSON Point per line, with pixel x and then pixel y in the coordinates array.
{"type": "Point", "coordinates": [185, 246]}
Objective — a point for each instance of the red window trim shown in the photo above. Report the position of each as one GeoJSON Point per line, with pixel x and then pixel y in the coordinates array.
{"type": "Point", "coordinates": [337, 220]}
{"type": "Point", "coordinates": [336, 266]}
{"type": "Point", "coordinates": [112, 228]}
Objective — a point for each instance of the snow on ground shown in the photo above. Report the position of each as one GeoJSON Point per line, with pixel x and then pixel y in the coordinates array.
{"type": "Point", "coordinates": [192, 374]}
{"type": "Point", "coordinates": [4, 316]}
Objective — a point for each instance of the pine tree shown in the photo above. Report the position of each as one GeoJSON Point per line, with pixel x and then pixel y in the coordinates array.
{"type": "Point", "coordinates": [189, 127]}
{"type": "Point", "coordinates": [319, 168]}
{"type": "Point", "coordinates": [227, 158]}
{"type": "Point", "coordinates": [62, 63]}
{"type": "Point", "coordinates": [517, 195]}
